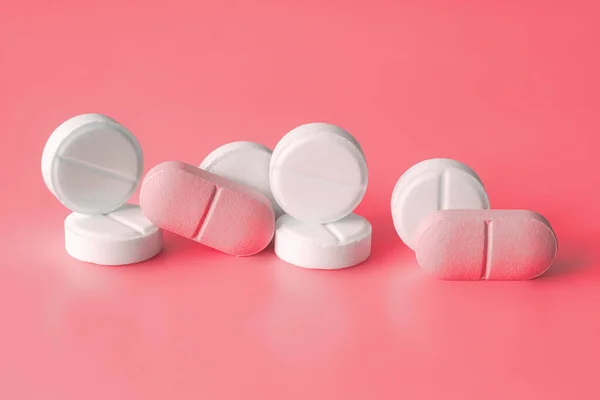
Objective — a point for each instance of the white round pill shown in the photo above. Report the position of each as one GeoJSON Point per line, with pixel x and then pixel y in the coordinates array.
{"type": "Point", "coordinates": [92, 164]}
{"type": "Point", "coordinates": [340, 244]}
{"type": "Point", "coordinates": [432, 185]}
{"type": "Point", "coordinates": [318, 173]}
{"type": "Point", "coordinates": [121, 237]}
{"type": "Point", "coordinates": [246, 163]}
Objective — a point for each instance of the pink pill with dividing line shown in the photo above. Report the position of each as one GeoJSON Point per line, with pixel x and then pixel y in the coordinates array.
{"type": "Point", "coordinates": [485, 244]}
{"type": "Point", "coordinates": [207, 208]}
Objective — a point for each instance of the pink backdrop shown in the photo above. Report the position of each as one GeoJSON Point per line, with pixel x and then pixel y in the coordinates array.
{"type": "Point", "coordinates": [509, 87]}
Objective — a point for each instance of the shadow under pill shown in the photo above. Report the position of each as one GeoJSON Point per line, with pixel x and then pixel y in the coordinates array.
{"type": "Point", "coordinates": [385, 242]}
{"type": "Point", "coordinates": [568, 264]}
{"type": "Point", "coordinates": [182, 247]}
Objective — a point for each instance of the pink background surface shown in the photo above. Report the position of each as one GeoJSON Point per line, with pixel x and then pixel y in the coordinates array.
{"type": "Point", "coordinates": [511, 88]}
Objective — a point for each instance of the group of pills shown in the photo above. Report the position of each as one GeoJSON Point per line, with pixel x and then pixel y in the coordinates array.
{"type": "Point", "coordinates": [441, 210]}
{"type": "Point", "coordinates": [302, 194]}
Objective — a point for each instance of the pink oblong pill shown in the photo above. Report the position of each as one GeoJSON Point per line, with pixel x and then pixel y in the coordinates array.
{"type": "Point", "coordinates": [486, 244]}
{"type": "Point", "coordinates": [212, 210]}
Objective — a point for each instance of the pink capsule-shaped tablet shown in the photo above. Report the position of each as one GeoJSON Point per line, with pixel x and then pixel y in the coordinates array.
{"type": "Point", "coordinates": [212, 210]}
{"type": "Point", "coordinates": [485, 244]}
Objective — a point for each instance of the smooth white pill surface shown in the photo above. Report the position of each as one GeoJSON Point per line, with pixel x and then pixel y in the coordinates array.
{"type": "Point", "coordinates": [246, 163]}
{"type": "Point", "coordinates": [335, 245]}
{"type": "Point", "coordinates": [318, 173]}
{"type": "Point", "coordinates": [431, 185]}
{"type": "Point", "coordinates": [122, 237]}
{"type": "Point", "coordinates": [92, 164]}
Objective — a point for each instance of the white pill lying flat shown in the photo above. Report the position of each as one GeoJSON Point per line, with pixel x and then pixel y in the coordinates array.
{"type": "Point", "coordinates": [335, 245]}
{"type": "Point", "coordinates": [122, 237]}
{"type": "Point", "coordinates": [246, 163]}
{"type": "Point", "coordinates": [92, 164]}
{"type": "Point", "coordinates": [432, 185]}
{"type": "Point", "coordinates": [318, 173]}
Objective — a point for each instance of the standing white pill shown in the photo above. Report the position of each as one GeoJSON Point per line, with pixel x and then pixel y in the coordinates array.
{"type": "Point", "coordinates": [432, 185]}
{"type": "Point", "coordinates": [92, 164]}
{"type": "Point", "coordinates": [121, 237]}
{"type": "Point", "coordinates": [318, 173]}
{"type": "Point", "coordinates": [340, 244]}
{"type": "Point", "coordinates": [246, 163]}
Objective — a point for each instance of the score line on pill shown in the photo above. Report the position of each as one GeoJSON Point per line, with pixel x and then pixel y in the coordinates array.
{"type": "Point", "coordinates": [486, 244]}
{"type": "Point", "coordinates": [121, 237]}
{"type": "Point", "coordinates": [246, 163]}
{"type": "Point", "coordinates": [431, 185]}
{"type": "Point", "coordinates": [340, 244]}
{"type": "Point", "coordinates": [92, 164]}
{"type": "Point", "coordinates": [207, 208]}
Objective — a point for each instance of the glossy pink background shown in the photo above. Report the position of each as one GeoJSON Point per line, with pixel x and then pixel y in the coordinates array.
{"type": "Point", "coordinates": [509, 87]}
